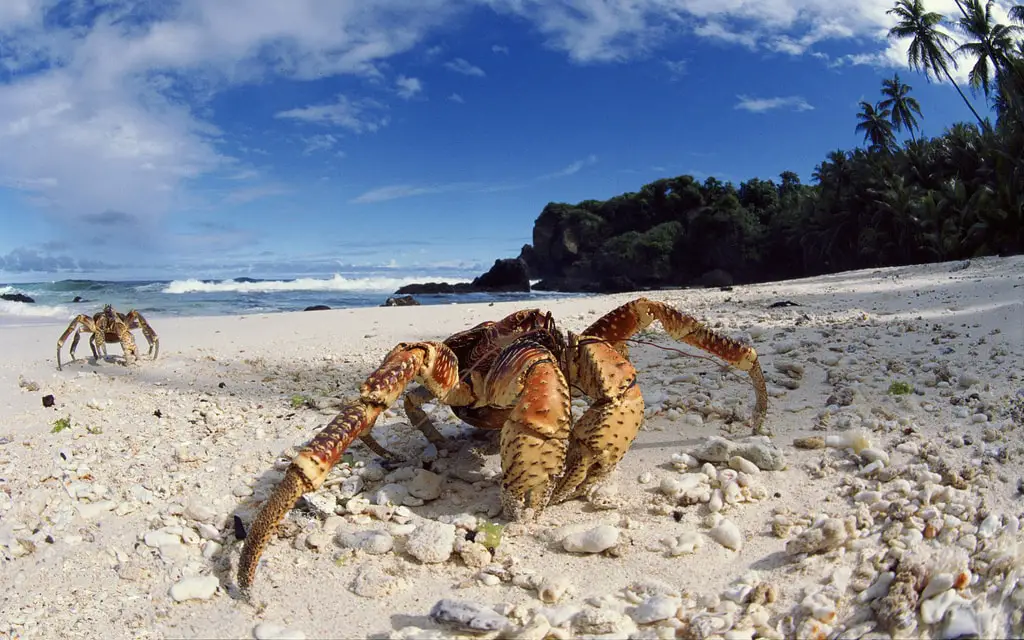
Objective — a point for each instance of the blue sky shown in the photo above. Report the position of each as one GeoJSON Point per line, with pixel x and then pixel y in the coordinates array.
{"type": "Point", "coordinates": [227, 137]}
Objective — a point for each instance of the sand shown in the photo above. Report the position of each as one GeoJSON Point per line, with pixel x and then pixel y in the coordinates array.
{"type": "Point", "coordinates": [176, 447]}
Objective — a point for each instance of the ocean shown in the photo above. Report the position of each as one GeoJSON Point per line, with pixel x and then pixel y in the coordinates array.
{"type": "Point", "coordinates": [206, 297]}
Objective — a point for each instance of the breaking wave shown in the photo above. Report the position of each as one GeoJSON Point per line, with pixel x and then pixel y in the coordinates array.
{"type": "Point", "coordinates": [334, 283]}
{"type": "Point", "coordinates": [30, 310]}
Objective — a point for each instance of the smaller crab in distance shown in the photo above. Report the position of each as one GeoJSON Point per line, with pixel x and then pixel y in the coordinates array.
{"type": "Point", "coordinates": [110, 326]}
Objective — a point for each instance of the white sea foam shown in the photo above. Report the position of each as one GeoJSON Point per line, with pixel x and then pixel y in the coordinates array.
{"type": "Point", "coordinates": [10, 311]}
{"type": "Point", "coordinates": [334, 283]}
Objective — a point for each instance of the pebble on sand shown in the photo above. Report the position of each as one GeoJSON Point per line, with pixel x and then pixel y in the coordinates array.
{"type": "Point", "coordinates": [194, 588]}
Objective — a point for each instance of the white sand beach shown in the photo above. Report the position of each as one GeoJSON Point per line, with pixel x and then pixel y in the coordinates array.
{"type": "Point", "coordinates": [908, 525]}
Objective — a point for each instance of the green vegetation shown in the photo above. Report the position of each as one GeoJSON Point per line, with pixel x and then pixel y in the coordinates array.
{"type": "Point", "coordinates": [955, 196]}
{"type": "Point", "coordinates": [298, 400]}
{"type": "Point", "coordinates": [900, 389]}
{"type": "Point", "coordinates": [489, 535]}
{"type": "Point", "coordinates": [60, 424]}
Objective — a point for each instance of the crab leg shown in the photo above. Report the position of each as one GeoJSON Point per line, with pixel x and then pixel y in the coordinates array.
{"type": "Point", "coordinates": [603, 435]}
{"type": "Point", "coordinates": [127, 343]}
{"type": "Point", "coordinates": [151, 337]}
{"type": "Point", "coordinates": [82, 321]}
{"type": "Point", "coordinates": [526, 379]}
{"type": "Point", "coordinates": [430, 363]}
{"type": "Point", "coordinates": [621, 323]}
{"type": "Point", "coordinates": [414, 401]}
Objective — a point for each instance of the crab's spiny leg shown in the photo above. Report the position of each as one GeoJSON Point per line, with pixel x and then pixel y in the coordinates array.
{"type": "Point", "coordinates": [603, 435]}
{"type": "Point", "coordinates": [78, 321]}
{"type": "Point", "coordinates": [621, 323]}
{"type": "Point", "coordinates": [430, 363]}
{"type": "Point", "coordinates": [74, 343]}
{"type": "Point", "coordinates": [527, 379]}
{"type": "Point", "coordinates": [414, 401]}
{"type": "Point", "coordinates": [99, 338]}
{"type": "Point", "coordinates": [127, 340]}
{"type": "Point", "coordinates": [147, 331]}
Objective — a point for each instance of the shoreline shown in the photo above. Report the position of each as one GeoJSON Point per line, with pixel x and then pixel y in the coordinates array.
{"type": "Point", "coordinates": [126, 504]}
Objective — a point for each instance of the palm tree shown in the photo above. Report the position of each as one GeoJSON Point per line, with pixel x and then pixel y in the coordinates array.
{"type": "Point", "coordinates": [1017, 13]}
{"type": "Point", "coordinates": [902, 105]}
{"type": "Point", "coordinates": [992, 46]}
{"type": "Point", "coordinates": [928, 52]}
{"type": "Point", "coordinates": [875, 124]}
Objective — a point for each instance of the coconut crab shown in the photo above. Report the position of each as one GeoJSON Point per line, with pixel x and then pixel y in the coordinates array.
{"type": "Point", "coordinates": [110, 326]}
{"type": "Point", "coordinates": [516, 375]}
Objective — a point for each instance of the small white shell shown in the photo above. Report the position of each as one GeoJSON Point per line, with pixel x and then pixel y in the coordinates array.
{"type": "Point", "coordinates": [727, 534]}
{"type": "Point", "coordinates": [732, 493]}
{"type": "Point", "coordinates": [715, 503]}
{"type": "Point", "coordinates": [739, 463]}
{"type": "Point", "coordinates": [552, 588]}
{"type": "Point", "coordinates": [937, 584]}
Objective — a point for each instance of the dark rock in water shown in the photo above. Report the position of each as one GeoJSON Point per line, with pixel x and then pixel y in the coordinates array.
{"type": "Point", "coordinates": [400, 301]}
{"type": "Point", "coordinates": [16, 297]}
{"type": "Point", "coordinates": [318, 307]}
{"type": "Point", "coordinates": [79, 299]}
{"type": "Point", "coordinates": [426, 288]}
{"type": "Point", "coordinates": [467, 616]}
{"type": "Point", "coordinates": [507, 274]}
{"type": "Point", "coordinates": [782, 303]}
{"type": "Point", "coordinates": [48, 400]}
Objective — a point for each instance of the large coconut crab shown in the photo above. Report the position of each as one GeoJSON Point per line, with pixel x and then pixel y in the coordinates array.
{"type": "Point", "coordinates": [515, 375]}
{"type": "Point", "coordinates": [109, 326]}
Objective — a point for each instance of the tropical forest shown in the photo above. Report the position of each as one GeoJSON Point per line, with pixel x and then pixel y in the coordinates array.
{"type": "Point", "coordinates": [901, 198]}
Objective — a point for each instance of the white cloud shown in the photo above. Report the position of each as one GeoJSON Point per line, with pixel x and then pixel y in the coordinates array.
{"type": "Point", "coordinates": [499, 48]}
{"type": "Point", "coordinates": [358, 116]}
{"type": "Point", "coordinates": [676, 69]}
{"type": "Point", "coordinates": [456, 98]}
{"type": "Point", "coordinates": [15, 12]}
{"type": "Point", "coordinates": [108, 111]}
{"type": "Point", "coordinates": [397, 191]}
{"type": "Point", "coordinates": [320, 142]}
{"type": "Point", "coordinates": [460, 65]}
{"type": "Point", "coordinates": [590, 31]}
{"type": "Point", "coordinates": [715, 30]}
{"type": "Point", "coordinates": [571, 168]}
{"type": "Point", "coordinates": [760, 105]}
{"type": "Point", "coordinates": [408, 87]}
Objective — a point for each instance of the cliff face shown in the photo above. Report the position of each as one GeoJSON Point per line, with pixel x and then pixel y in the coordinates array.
{"type": "Point", "coordinates": [673, 232]}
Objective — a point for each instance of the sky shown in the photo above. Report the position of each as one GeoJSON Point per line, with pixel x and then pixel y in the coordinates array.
{"type": "Point", "coordinates": [166, 138]}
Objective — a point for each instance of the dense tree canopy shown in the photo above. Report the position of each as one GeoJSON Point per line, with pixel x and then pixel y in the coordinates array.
{"type": "Point", "coordinates": [954, 196]}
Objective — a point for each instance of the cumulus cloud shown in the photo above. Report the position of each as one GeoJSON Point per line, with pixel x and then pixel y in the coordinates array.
{"type": "Point", "coordinates": [25, 260]}
{"type": "Point", "coordinates": [104, 109]}
{"type": "Point", "coordinates": [593, 31]}
{"type": "Point", "coordinates": [760, 105]}
{"type": "Point", "coordinates": [407, 87]}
